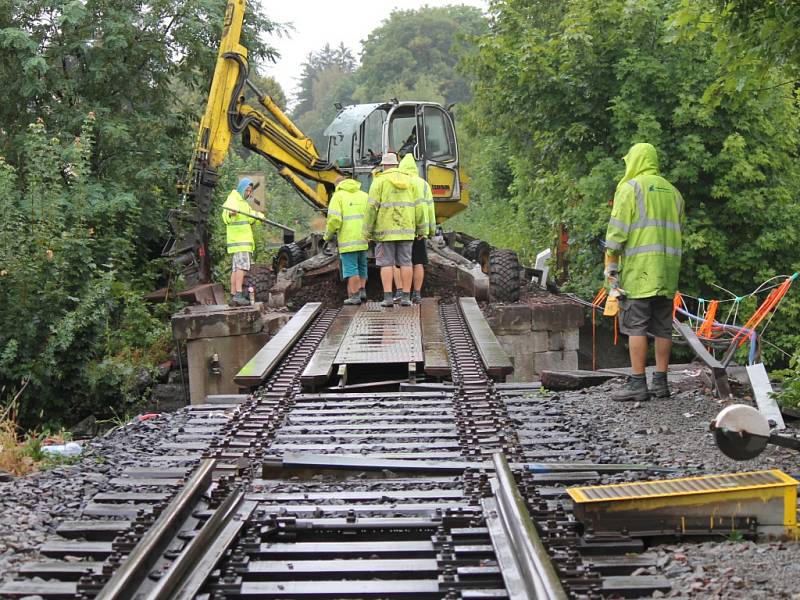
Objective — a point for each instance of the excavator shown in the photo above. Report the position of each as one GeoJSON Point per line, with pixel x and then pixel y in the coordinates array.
{"type": "Point", "coordinates": [356, 140]}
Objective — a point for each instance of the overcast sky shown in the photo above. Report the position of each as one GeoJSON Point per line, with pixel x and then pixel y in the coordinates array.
{"type": "Point", "coordinates": [317, 22]}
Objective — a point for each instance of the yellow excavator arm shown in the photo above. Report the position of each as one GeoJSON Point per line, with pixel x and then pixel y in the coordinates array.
{"type": "Point", "coordinates": [265, 129]}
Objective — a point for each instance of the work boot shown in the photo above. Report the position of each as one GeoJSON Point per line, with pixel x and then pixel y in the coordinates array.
{"type": "Point", "coordinates": [239, 299]}
{"type": "Point", "coordinates": [405, 299]}
{"type": "Point", "coordinates": [353, 300]}
{"type": "Point", "coordinates": [387, 299]}
{"type": "Point", "coordinates": [660, 387]}
{"type": "Point", "coordinates": [634, 390]}
{"type": "Point", "coordinates": [416, 297]}
{"type": "Point", "coordinates": [362, 293]}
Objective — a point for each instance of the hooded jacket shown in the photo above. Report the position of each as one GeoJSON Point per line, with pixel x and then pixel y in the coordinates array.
{"type": "Point", "coordinates": [645, 227]}
{"type": "Point", "coordinates": [409, 166]}
{"type": "Point", "coordinates": [239, 232]}
{"type": "Point", "coordinates": [394, 212]}
{"type": "Point", "coordinates": [346, 216]}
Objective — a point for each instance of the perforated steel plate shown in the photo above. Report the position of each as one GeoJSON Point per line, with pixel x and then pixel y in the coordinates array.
{"type": "Point", "coordinates": [680, 487]}
{"type": "Point", "coordinates": [382, 335]}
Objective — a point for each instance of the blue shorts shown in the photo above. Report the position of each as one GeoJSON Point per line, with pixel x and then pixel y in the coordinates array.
{"type": "Point", "coordinates": [354, 263]}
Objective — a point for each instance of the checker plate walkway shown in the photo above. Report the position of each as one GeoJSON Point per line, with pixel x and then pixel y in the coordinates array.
{"type": "Point", "coordinates": [380, 335]}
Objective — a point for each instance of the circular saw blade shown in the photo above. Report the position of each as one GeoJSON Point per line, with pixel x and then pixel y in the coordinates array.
{"type": "Point", "coordinates": [741, 432]}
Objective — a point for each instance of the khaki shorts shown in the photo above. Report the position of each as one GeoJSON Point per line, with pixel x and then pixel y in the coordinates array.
{"type": "Point", "coordinates": [393, 254]}
{"type": "Point", "coordinates": [640, 316]}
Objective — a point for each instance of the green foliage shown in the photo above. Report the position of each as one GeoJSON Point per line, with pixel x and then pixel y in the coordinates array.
{"type": "Point", "coordinates": [749, 37]}
{"type": "Point", "coordinates": [790, 383]}
{"type": "Point", "coordinates": [414, 53]}
{"type": "Point", "coordinates": [71, 321]}
{"type": "Point", "coordinates": [128, 62]}
{"type": "Point", "coordinates": [564, 89]}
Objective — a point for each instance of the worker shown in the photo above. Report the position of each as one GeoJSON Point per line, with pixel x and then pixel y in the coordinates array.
{"type": "Point", "coordinates": [642, 263]}
{"type": "Point", "coordinates": [236, 216]}
{"type": "Point", "coordinates": [419, 249]}
{"type": "Point", "coordinates": [408, 145]}
{"type": "Point", "coordinates": [346, 222]}
{"type": "Point", "coordinates": [394, 218]}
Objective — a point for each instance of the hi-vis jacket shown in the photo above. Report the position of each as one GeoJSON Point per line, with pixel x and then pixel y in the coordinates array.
{"type": "Point", "coordinates": [394, 210]}
{"type": "Point", "coordinates": [239, 231]}
{"type": "Point", "coordinates": [645, 227]}
{"type": "Point", "coordinates": [346, 216]}
{"type": "Point", "coordinates": [409, 166]}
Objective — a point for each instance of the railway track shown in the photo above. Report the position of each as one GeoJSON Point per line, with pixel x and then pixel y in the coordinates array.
{"type": "Point", "coordinates": [326, 494]}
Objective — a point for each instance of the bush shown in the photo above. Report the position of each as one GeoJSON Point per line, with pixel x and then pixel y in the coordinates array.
{"type": "Point", "coordinates": [72, 322]}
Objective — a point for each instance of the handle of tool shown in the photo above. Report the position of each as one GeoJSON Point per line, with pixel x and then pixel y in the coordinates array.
{"type": "Point", "coordinates": [262, 219]}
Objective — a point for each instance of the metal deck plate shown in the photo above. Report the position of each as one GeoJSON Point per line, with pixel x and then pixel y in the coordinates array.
{"type": "Point", "coordinates": [382, 335]}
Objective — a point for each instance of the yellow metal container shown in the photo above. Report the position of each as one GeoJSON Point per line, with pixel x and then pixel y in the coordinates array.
{"type": "Point", "coordinates": [762, 500]}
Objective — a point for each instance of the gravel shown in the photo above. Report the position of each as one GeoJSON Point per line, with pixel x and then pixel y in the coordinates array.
{"type": "Point", "coordinates": [671, 433]}
{"type": "Point", "coordinates": [674, 433]}
{"type": "Point", "coordinates": [32, 507]}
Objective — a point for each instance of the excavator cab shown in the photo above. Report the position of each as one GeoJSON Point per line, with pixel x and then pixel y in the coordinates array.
{"type": "Point", "coordinates": [361, 133]}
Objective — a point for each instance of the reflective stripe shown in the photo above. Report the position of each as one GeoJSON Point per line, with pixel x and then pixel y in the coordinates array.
{"type": "Point", "coordinates": [354, 243]}
{"type": "Point", "coordinates": [352, 218]}
{"type": "Point", "coordinates": [374, 202]}
{"type": "Point", "coordinates": [236, 244]}
{"type": "Point", "coordinates": [613, 245]}
{"type": "Point", "coordinates": [663, 223]}
{"type": "Point", "coordinates": [390, 204]}
{"type": "Point", "coordinates": [619, 224]}
{"type": "Point", "coordinates": [637, 189]}
{"type": "Point", "coordinates": [653, 248]}
{"type": "Point", "coordinates": [395, 232]}
{"type": "Point", "coordinates": [334, 212]}
{"type": "Point", "coordinates": [235, 223]}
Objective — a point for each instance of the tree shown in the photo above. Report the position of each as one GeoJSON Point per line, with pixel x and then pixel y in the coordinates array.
{"type": "Point", "coordinates": [121, 60]}
{"type": "Point", "coordinates": [752, 39]}
{"type": "Point", "coordinates": [419, 50]}
{"type": "Point", "coordinates": [327, 78]}
{"type": "Point", "coordinates": [566, 88]}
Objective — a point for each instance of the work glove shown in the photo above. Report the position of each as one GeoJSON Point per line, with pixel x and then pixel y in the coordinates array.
{"type": "Point", "coordinates": [611, 272]}
{"type": "Point", "coordinates": [330, 248]}
{"type": "Point", "coordinates": [611, 308]}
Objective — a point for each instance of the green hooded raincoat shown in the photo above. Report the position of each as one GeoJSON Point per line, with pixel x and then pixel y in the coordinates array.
{"type": "Point", "coordinates": [394, 209]}
{"type": "Point", "coordinates": [409, 166]}
{"type": "Point", "coordinates": [346, 216]}
{"type": "Point", "coordinates": [645, 227]}
{"type": "Point", "coordinates": [238, 224]}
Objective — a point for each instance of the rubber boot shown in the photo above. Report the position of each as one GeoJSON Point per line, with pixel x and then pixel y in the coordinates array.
{"type": "Point", "coordinates": [416, 297]}
{"type": "Point", "coordinates": [634, 390]}
{"type": "Point", "coordinates": [660, 387]}
{"type": "Point", "coordinates": [387, 299]}
{"type": "Point", "coordinates": [353, 300]}
{"type": "Point", "coordinates": [405, 299]}
{"type": "Point", "coordinates": [362, 293]}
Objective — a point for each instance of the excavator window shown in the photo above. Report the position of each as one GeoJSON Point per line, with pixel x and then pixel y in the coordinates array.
{"type": "Point", "coordinates": [340, 150]}
{"type": "Point", "coordinates": [440, 139]}
{"type": "Point", "coordinates": [370, 142]}
{"type": "Point", "coordinates": [403, 131]}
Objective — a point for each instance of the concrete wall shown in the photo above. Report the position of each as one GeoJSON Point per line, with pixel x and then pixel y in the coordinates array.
{"type": "Point", "coordinates": [541, 334]}
{"type": "Point", "coordinates": [219, 341]}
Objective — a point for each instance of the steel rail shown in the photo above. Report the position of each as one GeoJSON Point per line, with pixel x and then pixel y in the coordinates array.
{"type": "Point", "coordinates": [536, 572]}
{"type": "Point", "coordinates": [189, 571]}
{"type": "Point", "coordinates": [125, 582]}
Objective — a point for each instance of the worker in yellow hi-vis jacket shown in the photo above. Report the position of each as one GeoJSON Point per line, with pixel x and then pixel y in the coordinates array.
{"type": "Point", "coordinates": [239, 232]}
